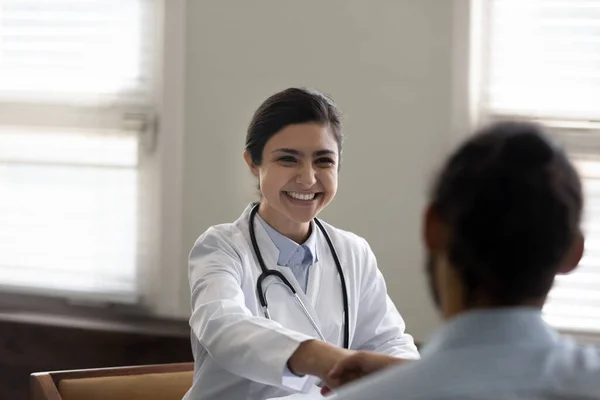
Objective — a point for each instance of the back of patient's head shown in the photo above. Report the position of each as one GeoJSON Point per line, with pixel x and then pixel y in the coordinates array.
{"type": "Point", "coordinates": [512, 204]}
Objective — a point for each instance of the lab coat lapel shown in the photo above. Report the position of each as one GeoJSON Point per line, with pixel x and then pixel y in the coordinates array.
{"type": "Point", "coordinates": [315, 272]}
{"type": "Point", "coordinates": [268, 250]}
{"type": "Point", "coordinates": [324, 303]}
{"type": "Point", "coordinates": [310, 298]}
{"type": "Point", "coordinates": [324, 292]}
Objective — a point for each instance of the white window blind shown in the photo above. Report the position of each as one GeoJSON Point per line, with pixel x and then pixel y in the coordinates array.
{"type": "Point", "coordinates": [542, 62]}
{"type": "Point", "coordinates": [75, 94]}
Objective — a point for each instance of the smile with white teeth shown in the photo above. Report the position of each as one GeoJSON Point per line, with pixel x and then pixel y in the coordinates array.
{"type": "Point", "coordinates": [301, 196]}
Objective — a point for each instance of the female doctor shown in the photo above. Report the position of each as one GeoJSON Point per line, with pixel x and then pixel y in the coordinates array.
{"type": "Point", "coordinates": [278, 296]}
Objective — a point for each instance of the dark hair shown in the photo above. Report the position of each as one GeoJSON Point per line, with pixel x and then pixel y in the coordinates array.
{"type": "Point", "coordinates": [288, 107]}
{"type": "Point", "coordinates": [513, 204]}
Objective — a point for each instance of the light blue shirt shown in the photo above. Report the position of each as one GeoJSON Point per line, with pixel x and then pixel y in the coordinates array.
{"type": "Point", "coordinates": [494, 354]}
{"type": "Point", "coordinates": [297, 257]}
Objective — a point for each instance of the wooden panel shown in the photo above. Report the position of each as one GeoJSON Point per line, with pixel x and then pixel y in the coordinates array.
{"type": "Point", "coordinates": [26, 348]}
{"type": "Point", "coordinates": [122, 371]}
{"type": "Point", "coordinates": [43, 388]}
{"type": "Point", "coordinates": [165, 386]}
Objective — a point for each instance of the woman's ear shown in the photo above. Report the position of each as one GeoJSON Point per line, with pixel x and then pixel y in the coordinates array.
{"type": "Point", "coordinates": [250, 163]}
{"type": "Point", "coordinates": [574, 255]}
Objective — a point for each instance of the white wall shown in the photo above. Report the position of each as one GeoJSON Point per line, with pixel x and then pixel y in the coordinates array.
{"type": "Point", "coordinates": [388, 65]}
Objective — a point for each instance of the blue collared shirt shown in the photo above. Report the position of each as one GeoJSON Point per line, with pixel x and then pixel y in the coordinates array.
{"type": "Point", "coordinates": [297, 257]}
{"type": "Point", "coordinates": [493, 354]}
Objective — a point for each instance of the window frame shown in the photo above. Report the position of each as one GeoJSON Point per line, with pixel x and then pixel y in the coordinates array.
{"type": "Point", "coordinates": [161, 274]}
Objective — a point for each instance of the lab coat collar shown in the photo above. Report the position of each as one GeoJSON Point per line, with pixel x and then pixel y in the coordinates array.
{"type": "Point", "coordinates": [511, 325]}
{"type": "Point", "coordinates": [268, 250]}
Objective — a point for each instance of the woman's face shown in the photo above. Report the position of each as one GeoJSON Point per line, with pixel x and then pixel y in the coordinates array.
{"type": "Point", "coordinates": [298, 176]}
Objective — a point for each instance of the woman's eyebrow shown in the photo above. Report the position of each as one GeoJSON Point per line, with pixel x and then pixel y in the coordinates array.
{"type": "Point", "coordinates": [299, 153]}
{"type": "Point", "coordinates": [288, 151]}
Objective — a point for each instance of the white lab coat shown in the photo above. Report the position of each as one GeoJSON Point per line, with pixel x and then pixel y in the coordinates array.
{"type": "Point", "coordinates": [239, 354]}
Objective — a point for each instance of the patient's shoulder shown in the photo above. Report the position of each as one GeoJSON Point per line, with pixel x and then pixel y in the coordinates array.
{"type": "Point", "coordinates": [577, 366]}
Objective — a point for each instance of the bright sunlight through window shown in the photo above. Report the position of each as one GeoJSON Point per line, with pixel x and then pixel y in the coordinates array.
{"type": "Point", "coordinates": [542, 62]}
{"type": "Point", "coordinates": [69, 205]}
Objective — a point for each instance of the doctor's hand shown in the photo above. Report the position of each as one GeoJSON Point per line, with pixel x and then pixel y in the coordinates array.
{"type": "Point", "coordinates": [316, 358]}
{"type": "Point", "coordinates": [356, 366]}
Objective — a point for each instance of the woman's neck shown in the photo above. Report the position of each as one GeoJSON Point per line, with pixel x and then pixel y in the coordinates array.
{"type": "Point", "coordinates": [296, 231]}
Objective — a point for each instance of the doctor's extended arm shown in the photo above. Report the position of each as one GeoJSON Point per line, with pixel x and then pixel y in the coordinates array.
{"type": "Point", "coordinates": [379, 326]}
{"type": "Point", "coordinates": [253, 347]}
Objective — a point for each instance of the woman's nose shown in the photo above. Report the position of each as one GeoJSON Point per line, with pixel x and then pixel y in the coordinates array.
{"type": "Point", "coordinates": [306, 176]}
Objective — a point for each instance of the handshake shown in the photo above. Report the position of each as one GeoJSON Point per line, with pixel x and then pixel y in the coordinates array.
{"type": "Point", "coordinates": [336, 366]}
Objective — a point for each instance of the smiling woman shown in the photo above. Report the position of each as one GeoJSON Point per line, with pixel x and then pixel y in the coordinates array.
{"type": "Point", "coordinates": [298, 177]}
{"type": "Point", "coordinates": [296, 165]}
{"type": "Point", "coordinates": [276, 303]}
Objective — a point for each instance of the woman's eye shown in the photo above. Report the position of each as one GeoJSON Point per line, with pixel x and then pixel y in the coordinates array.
{"type": "Point", "coordinates": [287, 159]}
{"type": "Point", "coordinates": [326, 161]}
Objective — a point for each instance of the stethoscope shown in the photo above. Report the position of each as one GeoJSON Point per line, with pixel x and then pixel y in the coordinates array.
{"type": "Point", "coordinates": [271, 272]}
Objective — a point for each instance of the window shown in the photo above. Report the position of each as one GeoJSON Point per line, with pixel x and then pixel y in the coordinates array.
{"type": "Point", "coordinates": [76, 100]}
{"type": "Point", "coordinates": [542, 62]}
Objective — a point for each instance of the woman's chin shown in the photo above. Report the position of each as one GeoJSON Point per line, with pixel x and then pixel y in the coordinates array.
{"type": "Point", "coordinates": [302, 211]}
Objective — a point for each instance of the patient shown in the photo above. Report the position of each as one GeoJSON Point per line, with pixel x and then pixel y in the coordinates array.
{"type": "Point", "coordinates": [503, 219]}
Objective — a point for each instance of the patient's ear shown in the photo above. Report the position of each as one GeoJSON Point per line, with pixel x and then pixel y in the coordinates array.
{"type": "Point", "coordinates": [574, 255]}
{"type": "Point", "coordinates": [435, 231]}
